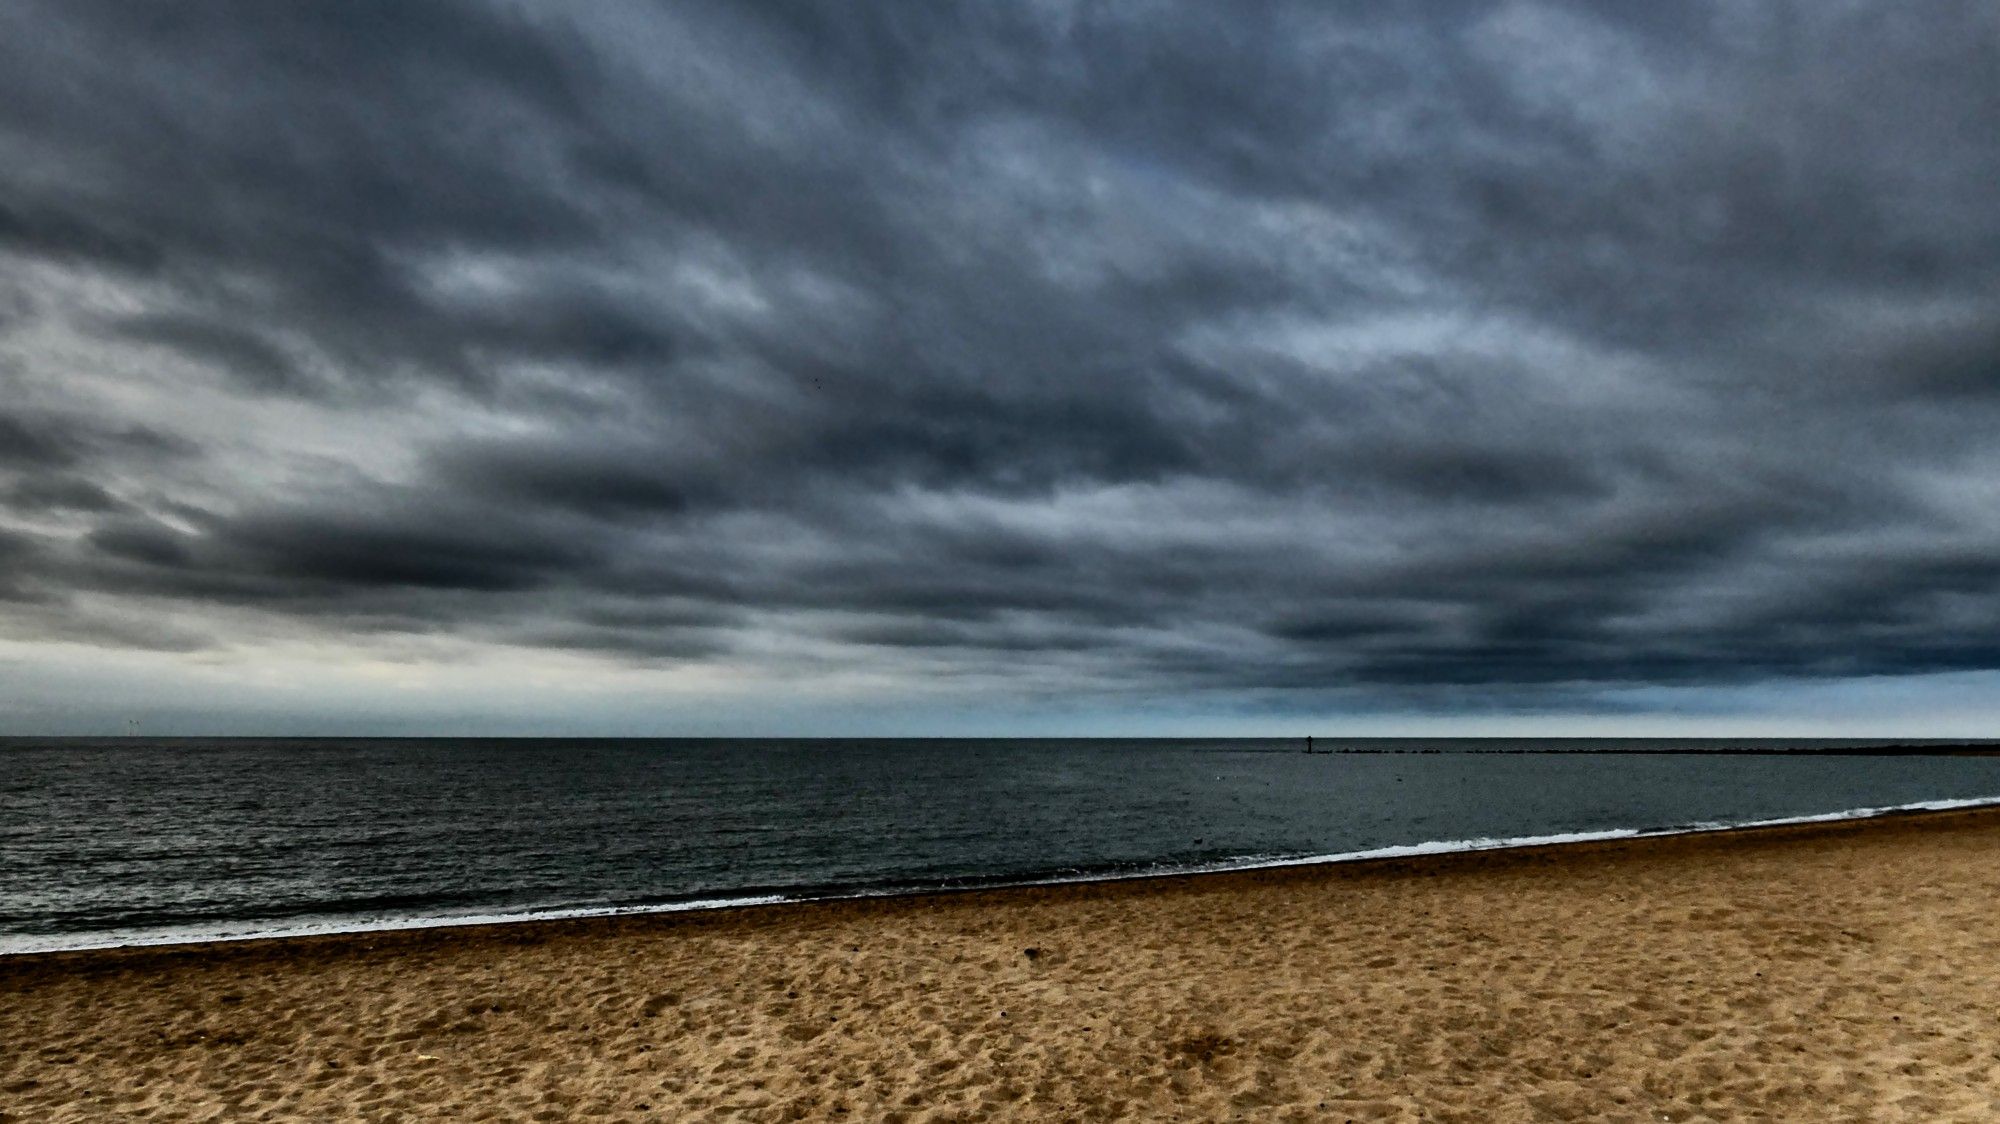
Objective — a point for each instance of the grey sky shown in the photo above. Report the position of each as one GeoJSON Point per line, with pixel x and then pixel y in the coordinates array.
{"type": "Point", "coordinates": [719, 367]}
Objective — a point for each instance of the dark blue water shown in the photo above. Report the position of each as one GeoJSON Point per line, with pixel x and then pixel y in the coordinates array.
{"type": "Point", "coordinates": [114, 841]}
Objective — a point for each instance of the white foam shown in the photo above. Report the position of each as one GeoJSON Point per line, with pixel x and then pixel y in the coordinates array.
{"type": "Point", "coordinates": [12, 946]}
{"type": "Point", "coordinates": [1460, 846]}
{"type": "Point", "coordinates": [255, 931]}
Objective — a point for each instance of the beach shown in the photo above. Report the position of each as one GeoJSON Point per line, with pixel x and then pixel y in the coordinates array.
{"type": "Point", "coordinates": [1843, 971]}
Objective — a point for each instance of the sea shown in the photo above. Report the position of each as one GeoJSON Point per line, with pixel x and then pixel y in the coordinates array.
{"type": "Point", "coordinates": [147, 841]}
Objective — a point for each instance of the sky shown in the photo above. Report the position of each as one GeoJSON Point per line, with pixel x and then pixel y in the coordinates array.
{"type": "Point", "coordinates": [1039, 368]}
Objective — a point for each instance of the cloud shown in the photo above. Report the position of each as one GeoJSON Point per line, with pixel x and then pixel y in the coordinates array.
{"type": "Point", "coordinates": [1473, 354]}
{"type": "Point", "coordinates": [252, 361]}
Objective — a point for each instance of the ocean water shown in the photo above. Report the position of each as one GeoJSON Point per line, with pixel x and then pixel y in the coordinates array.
{"type": "Point", "coordinates": [140, 841]}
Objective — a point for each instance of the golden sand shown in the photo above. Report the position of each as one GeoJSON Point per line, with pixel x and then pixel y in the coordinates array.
{"type": "Point", "coordinates": [1846, 972]}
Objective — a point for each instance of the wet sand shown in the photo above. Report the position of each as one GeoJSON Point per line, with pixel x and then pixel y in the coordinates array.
{"type": "Point", "coordinates": [1830, 972]}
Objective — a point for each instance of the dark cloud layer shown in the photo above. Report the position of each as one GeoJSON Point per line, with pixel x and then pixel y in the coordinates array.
{"type": "Point", "coordinates": [1447, 348]}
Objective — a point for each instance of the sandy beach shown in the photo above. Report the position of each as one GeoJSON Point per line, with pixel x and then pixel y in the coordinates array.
{"type": "Point", "coordinates": [1832, 972]}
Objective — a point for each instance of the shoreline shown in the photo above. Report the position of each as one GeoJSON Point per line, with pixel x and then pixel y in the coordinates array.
{"type": "Point", "coordinates": [1835, 970]}
{"type": "Point", "coordinates": [180, 941]}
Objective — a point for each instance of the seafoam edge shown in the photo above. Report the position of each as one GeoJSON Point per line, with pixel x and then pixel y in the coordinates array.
{"type": "Point", "coordinates": [19, 946]}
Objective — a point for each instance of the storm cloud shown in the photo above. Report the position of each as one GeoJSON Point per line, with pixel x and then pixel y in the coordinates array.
{"type": "Point", "coordinates": [1464, 353]}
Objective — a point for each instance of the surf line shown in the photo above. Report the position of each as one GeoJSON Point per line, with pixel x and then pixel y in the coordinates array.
{"type": "Point", "coordinates": [190, 935]}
